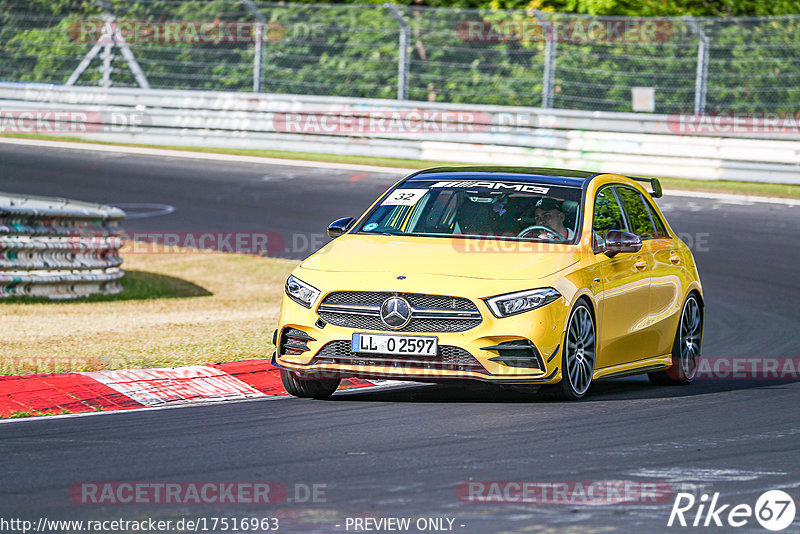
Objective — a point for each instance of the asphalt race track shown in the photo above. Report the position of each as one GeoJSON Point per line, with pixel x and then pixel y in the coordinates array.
{"type": "Point", "coordinates": [403, 452]}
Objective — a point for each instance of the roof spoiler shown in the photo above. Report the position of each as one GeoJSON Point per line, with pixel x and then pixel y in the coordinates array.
{"type": "Point", "coordinates": [654, 183]}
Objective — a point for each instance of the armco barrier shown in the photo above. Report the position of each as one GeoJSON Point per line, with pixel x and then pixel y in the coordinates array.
{"type": "Point", "coordinates": [636, 143]}
{"type": "Point", "coordinates": [57, 248]}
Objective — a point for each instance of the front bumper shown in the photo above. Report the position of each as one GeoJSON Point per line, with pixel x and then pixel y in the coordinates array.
{"type": "Point", "coordinates": [479, 350]}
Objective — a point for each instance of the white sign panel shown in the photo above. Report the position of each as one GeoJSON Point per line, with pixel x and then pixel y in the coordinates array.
{"type": "Point", "coordinates": [644, 99]}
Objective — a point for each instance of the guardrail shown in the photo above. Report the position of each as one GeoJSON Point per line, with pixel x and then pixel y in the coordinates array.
{"type": "Point", "coordinates": [743, 147]}
{"type": "Point", "coordinates": [58, 248]}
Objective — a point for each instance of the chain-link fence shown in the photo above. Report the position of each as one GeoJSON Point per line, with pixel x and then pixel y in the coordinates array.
{"type": "Point", "coordinates": [524, 58]}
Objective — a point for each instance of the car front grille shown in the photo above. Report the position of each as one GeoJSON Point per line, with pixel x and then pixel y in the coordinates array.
{"type": "Point", "coordinates": [448, 358]}
{"type": "Point", "coordinates": [430, 313]}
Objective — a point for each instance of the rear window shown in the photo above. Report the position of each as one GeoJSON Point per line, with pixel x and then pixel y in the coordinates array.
{"type": "Point", "coordinates": [661, 230]}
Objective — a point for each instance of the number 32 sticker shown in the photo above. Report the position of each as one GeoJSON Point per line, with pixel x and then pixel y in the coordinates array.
{"type": "Point", "coordinates": [404, 197]}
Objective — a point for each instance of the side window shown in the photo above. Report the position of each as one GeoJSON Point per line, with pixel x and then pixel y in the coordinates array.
{"type": "Point", "coordinates": [637, 211]}
{"type": "Point", "coordinates": [607, 216]}
{"type": "Point", "coordinates": [661, 230]}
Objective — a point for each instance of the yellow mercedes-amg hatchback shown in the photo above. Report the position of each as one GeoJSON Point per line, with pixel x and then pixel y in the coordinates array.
{"type": "Point", "coordinates": [518, 276]}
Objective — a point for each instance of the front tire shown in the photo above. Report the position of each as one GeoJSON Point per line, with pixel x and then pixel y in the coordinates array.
{"type": "Point", "coordinates": [308, 388]}
{"type": "Point", "coordinates": [686, 348]}
{"type": "Point", "coordinates": [580, 348]}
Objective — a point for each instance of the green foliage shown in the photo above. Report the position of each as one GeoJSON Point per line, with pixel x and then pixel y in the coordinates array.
{"type": "Point", "coordinates": [633, 8]}
{"type": "Point", "coordinates": [34, 39]}
{"type": "Point", "coordinates": [351, 50]}
{"type": "Point", "coordinates": [636, 210]}
{"type": "Point", "coordinates": [607, 213]}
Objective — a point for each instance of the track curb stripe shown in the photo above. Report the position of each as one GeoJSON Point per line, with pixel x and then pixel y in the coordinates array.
{"type": "Point", "coordinates": [128, 389]}
{"type": "Point", "coordinates": [179, 385]}
{"type": "Point", "coordinates": [59, 393]}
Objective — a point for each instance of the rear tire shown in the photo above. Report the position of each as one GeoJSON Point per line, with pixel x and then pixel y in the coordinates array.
{"type": "Point", "coordinates": [308, 388]}
{"type": "Point", "coordinates": [685, 349]}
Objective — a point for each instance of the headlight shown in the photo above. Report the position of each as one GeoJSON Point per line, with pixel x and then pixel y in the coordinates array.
{"type": "Point", "coordinates": [300, 292]}
{"type": "Point", "coordinates": [522, 301]}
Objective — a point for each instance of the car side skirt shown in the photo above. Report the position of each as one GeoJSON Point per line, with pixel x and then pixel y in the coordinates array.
{"type": "Point", "coordinates": [648, 365]}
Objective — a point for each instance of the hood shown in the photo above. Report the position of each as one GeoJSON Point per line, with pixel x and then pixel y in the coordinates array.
{"type": "Point", "coordinates": [490, 259]}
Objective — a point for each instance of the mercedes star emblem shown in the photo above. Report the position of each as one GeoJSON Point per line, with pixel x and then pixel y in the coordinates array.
{"type": "Point", "coordinates": [395, 312]}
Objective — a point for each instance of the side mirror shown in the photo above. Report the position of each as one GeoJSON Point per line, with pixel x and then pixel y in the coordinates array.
{"type": "Point", "coordinates": [618, 241]}
{"type": "Point", "coordinates": [340, 226]}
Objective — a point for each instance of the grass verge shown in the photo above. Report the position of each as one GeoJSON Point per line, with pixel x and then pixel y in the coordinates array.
{"type": "Point", "coordinates": [182, 308]}
{"type": "Point", "coordinates": [717, 186]}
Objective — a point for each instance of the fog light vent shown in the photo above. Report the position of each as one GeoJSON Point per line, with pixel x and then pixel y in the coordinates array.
{"type": "Point", "coordinates": [293, 341]}
{"type": "Point", "coordinates": [517, 353]}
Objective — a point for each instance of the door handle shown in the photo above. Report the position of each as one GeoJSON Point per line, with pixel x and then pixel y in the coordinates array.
{"type": "Point", "coordinates": [640, 264]}
{"type": "Point", "coordinates": [675, 259]}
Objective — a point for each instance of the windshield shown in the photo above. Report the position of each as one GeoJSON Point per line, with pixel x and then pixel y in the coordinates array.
{"type": "Point", "coordinates": [494, 208]}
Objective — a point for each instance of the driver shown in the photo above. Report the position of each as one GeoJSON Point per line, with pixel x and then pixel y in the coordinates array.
{"type": "Point", "coordinates": [549, 213]}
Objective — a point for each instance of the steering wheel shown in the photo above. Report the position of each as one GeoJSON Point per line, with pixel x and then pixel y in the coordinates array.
{"type": "Point", "coordinates": [542, 228]}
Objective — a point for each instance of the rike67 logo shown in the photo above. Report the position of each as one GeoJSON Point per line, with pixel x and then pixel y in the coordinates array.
{"type": "Point", "coordinates": [774, 510]}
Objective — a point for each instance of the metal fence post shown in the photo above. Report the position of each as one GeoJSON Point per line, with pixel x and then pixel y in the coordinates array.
{"type": "Point", "coordinates": [258, 55]}
{"type": "Point", "coordinates": [549, 74]}
{"type": "Point", "coordinates": [107, 56]}
{"type": "Point", "coordinates": [402, 52]}
{"type": "Point", "coordinates": [701, 78]}
{"type": "Point", "coordinates": [119, 40]}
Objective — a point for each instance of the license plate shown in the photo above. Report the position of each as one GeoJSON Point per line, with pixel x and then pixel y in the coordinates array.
{"type": "Point", "coordinates": [389, 344]}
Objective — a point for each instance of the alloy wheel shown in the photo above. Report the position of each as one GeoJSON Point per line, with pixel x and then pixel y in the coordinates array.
{"type": "Point", "coordinates": [580, 350]}
{"type": "Point", "coordinates": [690, 337]}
